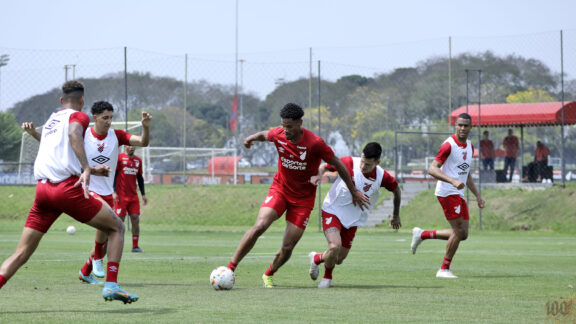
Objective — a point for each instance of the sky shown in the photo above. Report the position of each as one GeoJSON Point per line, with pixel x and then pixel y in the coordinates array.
{"type": "Point", "coordinates": [344, 32]}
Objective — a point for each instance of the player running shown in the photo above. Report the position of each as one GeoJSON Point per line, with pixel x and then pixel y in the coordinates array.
{"type": "Point", "coordinates": [63, 175]}
{"type": "Point", "coordinates": [128, 173]}
{"type": "Point", "coordinates": [341, 218]}
{"type": "Point", "coordinates": [299, 155]}
{"type": "Point", "coordinates": [451, 167]}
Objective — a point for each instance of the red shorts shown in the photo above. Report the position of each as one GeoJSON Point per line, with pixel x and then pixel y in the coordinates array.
{"type": "Point", "coordinates": [454, 207]}
{"type": "Point", "coordinates": [53, 199]}
{"type": "Point", "coordinates": [346, 234]}
{"type": "Point", "coordinates": [130, 205]}
{"type": "Point", "coordinates": [108, 199]}
{"type": "Point", "coordinates": [297, 209]}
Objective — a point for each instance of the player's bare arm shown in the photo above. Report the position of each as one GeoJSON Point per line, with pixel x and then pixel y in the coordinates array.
{"type": "Point", "coordinates": [315, 179]}
{"type": "Point", "coordinates": [31, 130]}
{"type": "Point", "coordinates": [358, 198]}
{"type": "Point", "coordinates": [260, 137]}
{"type": "Point", "coordinates": [435, 171]}
{"type": "Point", "coordinates": [472, 186]}
{"type": "Point", "coordinates": [75, 134]}
{"type": "Point", "coordinates": [144, 139]}
{"type": "Point", "coordinates": [395, 222]}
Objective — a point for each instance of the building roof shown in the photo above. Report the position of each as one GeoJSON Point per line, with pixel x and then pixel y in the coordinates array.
{"type": "Point", "coordinates": [516, 115]}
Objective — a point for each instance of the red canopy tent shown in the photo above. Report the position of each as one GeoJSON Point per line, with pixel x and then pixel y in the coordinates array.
{"type": "Point", "coordinates": [518, 115]}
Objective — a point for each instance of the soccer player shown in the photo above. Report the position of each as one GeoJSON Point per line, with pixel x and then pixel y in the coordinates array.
{"type": "Point", "coordinates": [451, 167]}
{"type": "Point", "coordinates": [102, 145]}
{"type": "Point", "coordinates": [340, 218]}
{"type": "Point", "coordinates": [128, 172]}
{"type": "Point", "coordinates": [299, 155]}
{"type": "Point", "coordinates": [63, 175]}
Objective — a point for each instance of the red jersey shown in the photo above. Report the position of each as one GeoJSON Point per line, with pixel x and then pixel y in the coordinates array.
{"type": "Point", "coordinates": [388, 181]}
{"type": "Point", "coordinates": [128, 168]}
{"type": "Point", "coordinates": [297, 163]}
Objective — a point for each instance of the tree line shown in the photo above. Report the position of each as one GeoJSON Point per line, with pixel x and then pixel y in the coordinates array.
{"type": "Point", "coordinates": [359, 108]}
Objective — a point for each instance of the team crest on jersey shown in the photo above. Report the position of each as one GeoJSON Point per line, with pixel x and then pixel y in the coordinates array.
{"type": "Point", "coordinates": [101, 147]}
{"type": "Point", "coordinates": [367, 187]}
{"type": "Point", "coordinates": [303, 155]}
{"type": "Point", "coordinates": [137, 163]}
{"type": "Point", "coordinates": [101, 159]}
{"type": "Point", "coordinates": [464, 154]}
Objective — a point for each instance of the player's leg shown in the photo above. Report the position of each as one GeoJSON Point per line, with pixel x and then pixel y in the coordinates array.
{"type": "Point", "coordinates": [330, 256]}
{"type": "Point", "coordinates": [29, 241]}
{"type": "Point", "coordinates": [106, 221]}
{"type": "Point", "coordinates": [135, 220]}
{"type": "Point", "coordinates": [95, 262]}
{"type": "Point", "coordinates": [459, 223]}
{"type": "Point", "coordinates": [512, 166]}
{"type": "Point", "coordinates": [292, 235]}
{"type": "Point", "coordinates": [266, 216]}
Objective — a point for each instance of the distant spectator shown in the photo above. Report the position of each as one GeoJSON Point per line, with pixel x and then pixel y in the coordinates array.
{"type": "Point", "coordinates": [511, 145]}
{"type": "Point", "coordinates": [487, 152]}
{"type": "Point", "coordinates": [537, 168]}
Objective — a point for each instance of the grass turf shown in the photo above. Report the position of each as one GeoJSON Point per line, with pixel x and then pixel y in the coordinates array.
{"type": "Point", "coordinates": [504, 278]}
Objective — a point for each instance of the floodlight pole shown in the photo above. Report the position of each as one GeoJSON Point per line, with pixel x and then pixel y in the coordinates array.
{"type": "Point", "coordinates": [4, 58]}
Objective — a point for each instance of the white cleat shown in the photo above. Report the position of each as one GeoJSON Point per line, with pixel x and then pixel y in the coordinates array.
{"type": "Point", "coordinates": [445, 273]}
{"type": "Point", "coordinates": [98, 268]}
{"type": "Point", "coordinates": [325, 283]}
{"type": "Point", "coordinates": [416, 238]}
{"type": "Point", "coordinates": [314, 268]}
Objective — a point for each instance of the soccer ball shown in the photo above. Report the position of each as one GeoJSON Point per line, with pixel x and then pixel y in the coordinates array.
{"type": "Point", "coordinates": [222, 278]}
{"type": "Point", "coordinates": [71, 230]}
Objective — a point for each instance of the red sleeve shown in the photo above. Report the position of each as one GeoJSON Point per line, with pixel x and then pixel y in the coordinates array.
{"type": "Point", "coordinates": [273, 133]}
{"type": "Point", "coordinates": [123, 137]}
{"type": "Point", "coordinates": [326, 151]}
{"type": "Point", "coordinates": [347, 160]}
{"type": "Point", "coordinates": [140, 166]}
{"type": "Point", "coordinates": [389, 182]}
{"type": "Point", "coordinates": [444, 152]}
{"type": "Point", "coordinates": [82, 118]}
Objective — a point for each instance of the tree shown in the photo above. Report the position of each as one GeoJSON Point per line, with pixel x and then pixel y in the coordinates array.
{"type": "Point", "coordinates": [530, 95]}
{"type": "Point", "coordinates": [10, 137]}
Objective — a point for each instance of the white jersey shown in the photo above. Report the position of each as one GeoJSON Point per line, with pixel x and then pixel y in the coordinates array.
{"type": "Point", "coordinates": [98, 152]}
{"type": "Point", "coordinates": [456, 166]}
{"type": "Point", "coordinates": [339, 199]}
{"type": "Point", "coordinates": [56, 161]}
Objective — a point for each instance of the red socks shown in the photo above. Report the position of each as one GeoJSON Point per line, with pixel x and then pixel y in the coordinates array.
{"type": "Point", "coordinates": [318, 258]}
{"type": "Point", "coordinates": [2, 281]}
{"type": "Point", "coordinates": [112, 272]}
{"type": "Point", "coordinates": [428, 235]}
{"type": "Point", "coordinates": [270, 272]}
{"type": "Point", "coordinates": [232, 266]}
{"type": "Point", "coordinates": [87, 268]}
{"type": "Point", "coordinates": [98, 250]}
{"type": "Point", "coordinates": [328, 272]}
{"type": "Point", "coordinates": [446, 264]}
{"type": "Point", "coordinates": [135, 241]}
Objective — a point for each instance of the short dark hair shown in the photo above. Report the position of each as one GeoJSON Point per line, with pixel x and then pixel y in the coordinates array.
{"type": "Point", "coordinates": [100, 106]}
{"type": "Point", "coordinates": [372, 150]}
{"type": "Point", "coordinates": [465, 116]}
{"type": "Point", "coordinates": [291, 111]}
{"type": "Point", "coordinates": [72, 90]}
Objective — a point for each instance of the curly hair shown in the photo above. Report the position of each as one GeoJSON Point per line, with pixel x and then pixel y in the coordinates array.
{"type": "Point", "coordinates": [100, 106]}
{"type": "Point", "coordinates": [72, 90]}
{"type": "Point", "coordinates": [372, 150]}
{"type": "Point", "coordinates": [291, 111]}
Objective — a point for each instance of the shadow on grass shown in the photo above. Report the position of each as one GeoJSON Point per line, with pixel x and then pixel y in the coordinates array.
{"type": "Point", "coordinates": [160, 311]}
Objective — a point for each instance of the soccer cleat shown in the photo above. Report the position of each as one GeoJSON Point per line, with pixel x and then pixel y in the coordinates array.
{"type": "Point", "coordinates": [325, 283]}
{"type": "Point", "coordinates": [137, 250]}
{"type": "Point", "coordinates": [268, 281]}
{"type": "Point", "coordinates": [445, 273]}
{"type": "Point", "coordinates": [89, 279]}
{"type": "Point", "coordinates": [314, 268]}
{"type": "Point", "coordinates": [98, 268]}
{"type": "Point", "coordinates": [416, 238]}
{"type": "Point", "coordinates": [112, 291]}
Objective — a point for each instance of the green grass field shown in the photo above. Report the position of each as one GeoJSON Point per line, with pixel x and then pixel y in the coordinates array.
{"type": "Point", "coordinates": [505, 276]}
